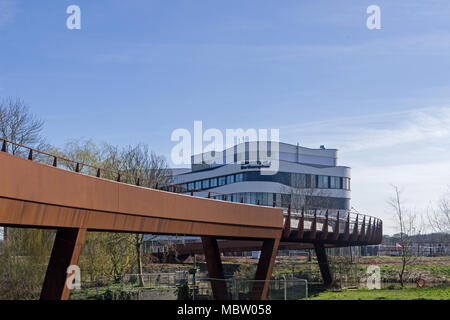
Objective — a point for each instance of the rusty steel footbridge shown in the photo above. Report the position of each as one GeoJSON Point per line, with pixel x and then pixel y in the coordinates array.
{"type": "Point", "coordinates": [37, 190]}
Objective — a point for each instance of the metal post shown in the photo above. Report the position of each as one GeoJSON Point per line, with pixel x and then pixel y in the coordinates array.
{"type": "Point", "coordinates": [264, 269]}
{"type": "Point", "coordinates": [306, 285]}
{"type": "Point", "coordinates": [323, 264]}
{"type": "Point", "coordinates": [66, 251]}
{"type": "Point", "coordinates": [215, 269]}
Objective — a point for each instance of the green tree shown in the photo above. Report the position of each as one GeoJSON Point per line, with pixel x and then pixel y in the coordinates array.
{"type": "Point", "coordinates": [24, 263]}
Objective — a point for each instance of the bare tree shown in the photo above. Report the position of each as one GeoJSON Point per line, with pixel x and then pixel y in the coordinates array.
{"type": "Point", "coordinates": [137, 161]}
{"type": "Point", "coordinates": [408, 226]}
{"type": "Point", "coordinates": [439, 219]}
{"type": "Point", "coordinates": [19, 125]}
{"type": "Point", "coordinates": [83, 152]}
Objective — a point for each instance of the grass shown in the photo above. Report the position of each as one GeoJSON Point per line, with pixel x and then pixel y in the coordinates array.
{"type": "Point", "coordinates": [391, 293]}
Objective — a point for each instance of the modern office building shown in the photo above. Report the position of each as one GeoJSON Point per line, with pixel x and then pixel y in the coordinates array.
{"type": "Point", "coordinates": [305, 176]}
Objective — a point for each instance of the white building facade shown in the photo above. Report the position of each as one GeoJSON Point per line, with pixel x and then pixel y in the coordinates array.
{"type": "Point", "coordinates": [305, 177]}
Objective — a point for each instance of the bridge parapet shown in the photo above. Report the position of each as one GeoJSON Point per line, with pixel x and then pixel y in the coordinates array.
{"type": "Point", "coordinates": [331, 226]}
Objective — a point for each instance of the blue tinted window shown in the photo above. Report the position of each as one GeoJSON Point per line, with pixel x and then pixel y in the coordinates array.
{"type": "Point", "coordinates": [322, 182]}
{"type": "Point", "coordinates": [334, 182]}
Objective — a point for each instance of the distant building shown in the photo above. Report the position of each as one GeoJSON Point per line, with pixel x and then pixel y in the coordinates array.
{"type": "Point", "coordinates": [431, 245]}
{"type": "Point", "coordinates": [313, 173]}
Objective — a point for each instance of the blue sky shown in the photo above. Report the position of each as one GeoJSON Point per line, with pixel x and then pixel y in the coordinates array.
{"type": "Point", "coordinates": [137, 70]}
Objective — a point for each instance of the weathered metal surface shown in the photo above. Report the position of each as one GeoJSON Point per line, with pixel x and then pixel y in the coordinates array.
{"type": "Point", "coordinates": [324, 234]}
{"type": "Point", "coordinates": [66, 251]}
{"type": "Point", "coordinates": [264, 270]}
{"type": "Point", "coordinates": [354, 236]}
{"type": "Point", "coordinates": [52, 197]}
{"type": "Point", "coordinates": [301, 226]}
{"type": "Point", "coordinates": [313, 230]}
{"type": "Point", "coordinates": [369, 231]}
{"type": "Point", "coordinates": [335, 235]}
{"type": "Point", "coordinates": [287, 224]}
{"type": "Point", "coordinates": [215, 269]}
{"type": "Point", "coordinates": [362, 233]}
{"type": "Point", "coordinates": [323, 264]}
{"type": "Point", "coordinates": [28, 214]}
{"type": "Point", "coordinates": [346, 235]}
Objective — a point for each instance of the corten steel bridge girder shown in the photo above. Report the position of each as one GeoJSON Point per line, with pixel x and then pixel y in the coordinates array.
{"type": "Point", "coordinates": [36, 195]}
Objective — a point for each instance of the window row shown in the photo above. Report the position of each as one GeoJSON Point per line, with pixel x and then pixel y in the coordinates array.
{"type": "Point", "coordinates": [301, 180]}
{"type": "Point", "coordinates": [296, 180]}
{"type": "Point", "coordinates": [282, 200]}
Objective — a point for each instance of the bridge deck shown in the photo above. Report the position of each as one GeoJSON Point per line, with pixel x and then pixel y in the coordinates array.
{"type": "Point", "coordinates": [37, 195]}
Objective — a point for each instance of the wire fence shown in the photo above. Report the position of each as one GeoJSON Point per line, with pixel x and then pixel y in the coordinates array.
{"type": "Point", "coordinates": [169, 286]}
{"type": "Point", "coordinates": [245, 289]}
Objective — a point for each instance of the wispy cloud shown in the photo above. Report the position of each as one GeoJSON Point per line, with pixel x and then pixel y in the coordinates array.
{"type": "Point", "coordinates": [377, 130]}
{"type": "Point", "coordinates": [410, 149]}
{"type": "Point", "coordinates": [434, 44]}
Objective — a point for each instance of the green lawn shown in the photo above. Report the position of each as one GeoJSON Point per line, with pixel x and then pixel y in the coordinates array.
{"type": "Point", "coordinates": [397, 293]}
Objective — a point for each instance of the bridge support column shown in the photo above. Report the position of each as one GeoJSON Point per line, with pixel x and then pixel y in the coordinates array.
{"type": "Point", "coordinates": [66, 251]}
{"type": "Point", "coordinates": [215, 269]}
{"type": "Point", "coordinates": [265, 267]}
{"type": "Point", "coordinates": [324, 266]}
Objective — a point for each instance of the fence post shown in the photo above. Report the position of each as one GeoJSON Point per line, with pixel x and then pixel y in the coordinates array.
{"type": "Point", "coordinates": [306, 285]}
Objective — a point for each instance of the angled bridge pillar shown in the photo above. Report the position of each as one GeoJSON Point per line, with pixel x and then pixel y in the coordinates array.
{"type": "Point", "coordinates": [215, 269]}
{"type": "Point", "coordinates": [324, 266]}
{"type": "Point", "coordinates": [264, 270]}
{"type": "Point", "coordinates": [66, 251]}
